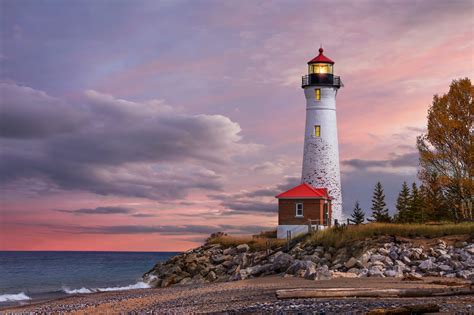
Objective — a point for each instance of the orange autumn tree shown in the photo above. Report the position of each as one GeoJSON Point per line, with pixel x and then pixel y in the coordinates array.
{"type": "Point", "coordinates": [446, 153]}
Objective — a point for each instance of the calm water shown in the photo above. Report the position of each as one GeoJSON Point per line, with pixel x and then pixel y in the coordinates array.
{"type": "Point", "coordinates": [43, 275]}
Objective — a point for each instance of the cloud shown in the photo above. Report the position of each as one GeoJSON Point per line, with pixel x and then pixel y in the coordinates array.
{"type": "Point", "coordinates": [27, 113]}
{"type": "Point", "coordinates": [143, 215]}
{"type": "Point", "coordinates": [261, 201]}
{"type": "Point", "coordinates": [107, 145]}
{"type": "Point", "coordinates": [407, 160]}
{"type": "Point", "coordinates": [100, 210]}
{"type": "Point", "coordinates": [177, 230]}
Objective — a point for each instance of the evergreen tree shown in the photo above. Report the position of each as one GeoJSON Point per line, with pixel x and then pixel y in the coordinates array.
{"type": "Point", "coordinates": [435, 204]}
{"type": "Point", "coordinates": [379, 210]}
{"type": "Point", "coordinates": [403, 200]}
{"type": "Point", "coordinates": [358, 215]}
{"type": "Point", "coordinates": [415, 206]}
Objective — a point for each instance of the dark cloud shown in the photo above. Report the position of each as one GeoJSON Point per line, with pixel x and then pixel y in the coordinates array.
{"type": "Point", "coordinates": [143, 215]}
{"type": "Point", "coordinates": [359, 185]}
{"type": "Point", "coordinates": [100, 210]}
{"type": "Point", "coordinates": [249, 202]}
{"type": "Point", "coordinates": [27, 113]}
{"type": "Point", "coordinates": [177, 230]}
{"type": "Point", "coordinates": [112, 146]}
{"type": "Point", "coordinates": [403, 160]}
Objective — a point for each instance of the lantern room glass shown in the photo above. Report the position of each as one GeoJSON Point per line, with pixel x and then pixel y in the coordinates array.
{"type": "Point", "coordinates": [320, 68]}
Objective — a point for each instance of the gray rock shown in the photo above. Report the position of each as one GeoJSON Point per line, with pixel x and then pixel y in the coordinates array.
{"type": "Point", "coordinates": [465, 274]}
{"type": "Point", "coordinates": [299, 267]}
{"type": "Point", "coordinates": [406, 260]}
{"type": "Point", "coordinates": [352, 262]}
{"type": "Point", "coordinates": [377, 257]}
{"type": "Point", "coordinates": [445, 268]}
{"type": "Point", "coordinates": [186, 280]}
{"type": "Point", "coordinates": [211, 276]}
{"type": "Point", "coordinates": [375, 272]}
{"type": "Point", "coordinates": [393, 255]}
{"type": "Point", "coordinates": [427, 265]}
{"type": "Point", "coordinates": [282, 262]}
{"type": "Point", "coordinates": [354, 270]}
{"type": "Point", "coordinates": [242, 248]}
{"type": "Point", "coordinates": [397, 271]}
{"type": "Point", "coordinates": [230, 251]}
{"type": "Point", "coordinates": [337, 266]}
{"type": "Point", "coordinates": [363, 272]}
{"type": "Point", "coordinates": [311, 273]}
{"type": "Point", "coordinates": [217, 259]}
{"type": "Point", "coordinates": [323, 273]}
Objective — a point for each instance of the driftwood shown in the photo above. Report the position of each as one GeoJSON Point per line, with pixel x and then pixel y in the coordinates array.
{"type": "Point", "coordinates": [406, 310]}
{"type": "Point", "coordinates": [368, 292]}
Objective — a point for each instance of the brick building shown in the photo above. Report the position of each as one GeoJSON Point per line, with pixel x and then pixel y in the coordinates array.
{"type": "Point", "coordinates": [301, 207]}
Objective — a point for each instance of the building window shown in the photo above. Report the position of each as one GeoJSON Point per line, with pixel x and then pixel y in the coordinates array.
{"type": "Point", "coordinates": [317, 131]}
{"type": "Point", "coordinates": [317, 94]}
{"type": "Point", "coordinates": [299, 209]}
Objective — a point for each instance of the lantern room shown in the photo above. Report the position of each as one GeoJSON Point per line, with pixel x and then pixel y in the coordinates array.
{"type": "Point", "coordinates": [320, 64]}
{"type": "Point", "coordinates": [321, 72]}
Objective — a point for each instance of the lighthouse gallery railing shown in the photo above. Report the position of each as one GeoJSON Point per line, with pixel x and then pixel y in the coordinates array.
{"type": "Point", "coordinates": [321, 79]}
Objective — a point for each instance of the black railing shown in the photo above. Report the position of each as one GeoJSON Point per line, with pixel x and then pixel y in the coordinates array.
{"type": "Point", "coordinates": [321, 79]}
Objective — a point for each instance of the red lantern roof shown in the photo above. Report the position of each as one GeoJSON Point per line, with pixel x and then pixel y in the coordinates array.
{"type": "Point", "coordinates": [321, 58]}
{"type": "Point", "coordinates": [305, 191]}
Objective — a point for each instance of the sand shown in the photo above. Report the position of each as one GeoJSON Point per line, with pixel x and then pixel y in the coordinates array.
{"type": "Point", "coordinates": [247, 296]}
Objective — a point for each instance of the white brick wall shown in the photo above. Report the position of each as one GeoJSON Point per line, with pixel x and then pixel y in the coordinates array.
{"type": "Point", "coordinates": [321, 154]}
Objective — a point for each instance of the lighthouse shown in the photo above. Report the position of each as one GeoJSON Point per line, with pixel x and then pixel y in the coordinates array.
{"type": "Point", "coordinates": [321, 148]}
{"type": "Point", "coordinates": [317, 201]}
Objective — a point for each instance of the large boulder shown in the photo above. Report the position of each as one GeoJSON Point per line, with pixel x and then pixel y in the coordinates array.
{"type": "Point", "coordinates": [217, 259]}
{"type": "Point", "coordinates": [242, 248]}
{"type": "Point", "coordinates": [352, 262]}
{"type": "Point", "coordinates": [323, 273]}
{"type": "Point", "coordinates": [281, 262]}
{"type": "Point", "coordinates": [427, 265]}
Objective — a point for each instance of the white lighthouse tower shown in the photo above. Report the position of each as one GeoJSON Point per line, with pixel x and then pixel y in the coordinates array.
{"type": "Point", "coordinates": [321, 148]}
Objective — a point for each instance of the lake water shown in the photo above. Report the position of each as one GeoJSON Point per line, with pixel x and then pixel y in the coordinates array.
{"type": "Point", "coordinates": [30, 276]}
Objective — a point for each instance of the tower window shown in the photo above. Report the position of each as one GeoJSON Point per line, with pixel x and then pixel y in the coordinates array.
{"type": "Point", "coordinates": [299, 209]}
{"type": "Point", "coordinates": [317, 131]}
{"type": "Point", "coordinates": [317, 94]}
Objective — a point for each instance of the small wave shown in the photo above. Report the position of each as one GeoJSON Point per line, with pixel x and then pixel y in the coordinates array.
{"type": "Point", "coordinates": [77, 291]}
{"type": "Point", "coordinates": [14, 297]}
{"type": "Point", "coordinates": [138, 285]}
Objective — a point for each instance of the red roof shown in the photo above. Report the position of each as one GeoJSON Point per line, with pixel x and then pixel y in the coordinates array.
{"type": "Point", "coordinates": [321, 58]}
{"type": "Point", "coordinates": [305, 191]}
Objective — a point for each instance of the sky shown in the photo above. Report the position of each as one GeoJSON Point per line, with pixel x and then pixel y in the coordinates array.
{"type": "Point", "coordinates": [148, 125]}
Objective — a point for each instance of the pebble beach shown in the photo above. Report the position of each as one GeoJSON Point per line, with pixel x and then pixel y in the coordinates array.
{"type": "Point", "coordinates": [256, 295]}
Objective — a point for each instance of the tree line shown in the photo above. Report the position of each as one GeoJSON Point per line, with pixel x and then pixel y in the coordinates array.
{"type": "Point", "coordinates": [446, 166]}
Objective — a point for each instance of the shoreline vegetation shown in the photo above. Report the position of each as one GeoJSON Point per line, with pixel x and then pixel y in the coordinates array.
{"type": "Point", "coordinates": [339, 237]}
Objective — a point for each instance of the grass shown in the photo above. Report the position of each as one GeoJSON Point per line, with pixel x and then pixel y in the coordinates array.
{"type": "Point", "coordinates": [338, 237]}
{"type": "Point", "coordinates": [255, 243]}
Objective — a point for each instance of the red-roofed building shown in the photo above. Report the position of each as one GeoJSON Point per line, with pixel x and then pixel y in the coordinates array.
{"type": "Point", "coordinates": [302, 207]}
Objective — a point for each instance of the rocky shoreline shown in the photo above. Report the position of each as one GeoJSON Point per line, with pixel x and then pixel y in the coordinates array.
{"type": "Point", "coordinates": [381, 257]}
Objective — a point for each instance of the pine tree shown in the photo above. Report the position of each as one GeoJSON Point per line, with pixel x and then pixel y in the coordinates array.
{"type": "Point", "coordinates": [379, 210]}
{"type": "Point", "coordinates": [403, 215]}
{"type": "Point", "coordinates": [435, 205]}
{"type": "Point", "coordinates": [415, 205]}
{"type": "Point", "coordinates": [358, 215]}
